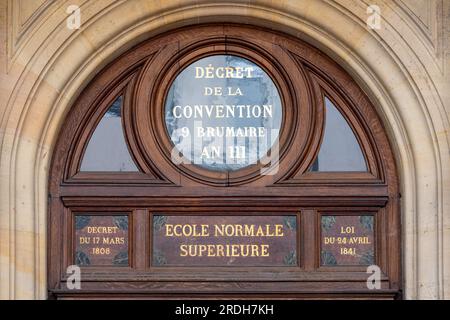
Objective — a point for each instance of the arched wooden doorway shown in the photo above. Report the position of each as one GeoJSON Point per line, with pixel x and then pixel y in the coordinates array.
{"type": "Point", "coordinates": [306, 219]}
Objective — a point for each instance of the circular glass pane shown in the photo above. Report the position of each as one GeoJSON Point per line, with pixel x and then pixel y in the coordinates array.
{"type": "Point", "coordinates": [223, 113]}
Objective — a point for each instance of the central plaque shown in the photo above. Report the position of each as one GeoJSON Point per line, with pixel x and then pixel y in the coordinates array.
{"type": "Point", "coordinates": [223, 113]}
{"type": "Point", "coordinates": [224, 240]}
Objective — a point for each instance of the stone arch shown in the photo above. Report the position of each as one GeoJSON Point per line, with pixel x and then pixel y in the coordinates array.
{"type": "Point", "coordinates": [50, 76]}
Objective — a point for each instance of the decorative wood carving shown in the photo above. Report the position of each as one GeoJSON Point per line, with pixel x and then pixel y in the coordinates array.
{"type": "Point", "coordinates": [303, 76]}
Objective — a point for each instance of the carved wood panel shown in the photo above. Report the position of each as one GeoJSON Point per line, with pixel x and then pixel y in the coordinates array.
{"type": "Point", "coordinates": [241, 199]}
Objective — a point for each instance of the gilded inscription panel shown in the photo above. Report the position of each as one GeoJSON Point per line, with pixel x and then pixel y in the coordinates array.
{"type": "Point", "coordinates": [224, 240]}
{"type": "Point", "coordinates": [101, 240]}
{"type": "Point", "coordinates": [347, 240]}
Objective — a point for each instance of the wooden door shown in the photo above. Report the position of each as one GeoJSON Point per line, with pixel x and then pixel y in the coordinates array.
{"type": "Point", "coordinates": [304, 218]}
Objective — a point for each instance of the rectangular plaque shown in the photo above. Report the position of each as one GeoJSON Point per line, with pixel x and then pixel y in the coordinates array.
{"type": "Point", "coordinates": [101, 240]}
{"type": "Point", "coordinates": [347, 240]}
{"type": "Point", "coordinates": [224, 240]}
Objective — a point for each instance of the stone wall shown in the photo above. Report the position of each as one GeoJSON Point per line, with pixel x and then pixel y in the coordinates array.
{"type": "Point", "coordinates": [404, 67]}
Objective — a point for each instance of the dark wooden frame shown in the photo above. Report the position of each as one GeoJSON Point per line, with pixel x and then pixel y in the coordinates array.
{"type": "Point", "coordinates": [303, 75]}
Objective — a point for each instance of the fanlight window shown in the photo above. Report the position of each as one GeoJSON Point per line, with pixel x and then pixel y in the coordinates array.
{"type": "Point", "coordinates": [340, 150]}
{"type": "Point", "coordinates": [239, 113]}
{"type": "Point", "coordinates": [107, 149]}
{"type": "Point", "coordinates": [127, 211]}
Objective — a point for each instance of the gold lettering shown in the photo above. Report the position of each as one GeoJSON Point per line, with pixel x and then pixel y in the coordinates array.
{"type": "Point", "coordinates": [187, 230]}
{"type": "Point", "coordinates": [255, 251]}
{"type": "Point", "coordinates": [234, 250]}
{"type": "Point", "coordinates": [102, 229]}
{"type": "Point", "coordinates": [259, 232]}
{"type": "Point", "coordinates": [246, 230]}
{"type": "Point", "coordinates": [169, 230]}
{"type": "Point", "coordinates": [238, 230]}
{"type": "Point", "coordinates": [264, 250]}
{"type": "Point", "coordinates": [115, 240]}
{"type": "Point", "coordinates": [219, 251]}
{"type": "Point", "coordinates": [100, 251]}
{"type": "Point", "coordinates": [183, 252]}
{"type": "Point", "coordinates": [249, 229]}
{"type": "Point", "coordinates": [348, 230]}
{"type": "Point", "coordinates": [279, 230]}
{"type": "Point", "coordinates": [228, 250]}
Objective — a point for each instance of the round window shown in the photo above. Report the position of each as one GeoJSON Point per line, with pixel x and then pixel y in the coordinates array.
{"type": "Point", "coordinates": [223, 113]}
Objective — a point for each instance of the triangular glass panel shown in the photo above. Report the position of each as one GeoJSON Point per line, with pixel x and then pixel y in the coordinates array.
{"type": "Point", "coordinates": [107, 149]}
{"type": "Point", "coordinates": [340, 150]}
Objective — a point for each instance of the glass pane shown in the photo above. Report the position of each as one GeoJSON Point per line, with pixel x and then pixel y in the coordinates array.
{"type": "Point", "coordinates": [107, 149]}
{"type": "Point", "coordinates": [223, 113]}
{"type": "Point", "coordinates": [340, 150]}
